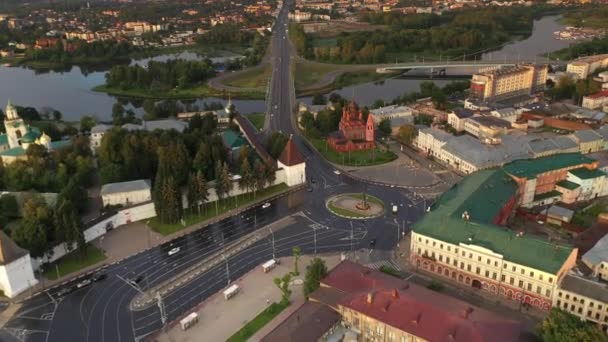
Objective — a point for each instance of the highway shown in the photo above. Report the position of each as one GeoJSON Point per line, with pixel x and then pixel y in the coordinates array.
{"type": "Point", "coordinates": [101, 311]}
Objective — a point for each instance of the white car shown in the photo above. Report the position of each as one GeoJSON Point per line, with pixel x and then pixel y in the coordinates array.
{"type": "Point", "coordinates": [337, 172]}
{"type": "Point", "coordinates": [83, 283]}
{"type": "Point", "coordinates": [266, 205]}
{"type": "Point", "coordinates": [174, 251]}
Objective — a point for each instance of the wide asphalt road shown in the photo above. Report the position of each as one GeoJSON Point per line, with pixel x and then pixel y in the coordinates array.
{"type": "Point", "coordinates": [100, 312]}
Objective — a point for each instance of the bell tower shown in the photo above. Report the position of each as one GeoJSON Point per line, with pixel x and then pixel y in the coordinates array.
{"type": "Point", "coordinates": [14, 125]}
{"type": "Point", "coordinates": [369, 128]}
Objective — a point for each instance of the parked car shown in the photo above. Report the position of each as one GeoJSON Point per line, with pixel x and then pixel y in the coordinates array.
{"type": "Point", "coordinates": [84, 283]}
{"type": "Point", "coordinates": [174, 251]}
{"type": "Point", "coordinates": [65, 291]}
{"type": "Point", "coordinates": [266, 205]}
{"type": "Point", "coordinates": [98, 277]}
{"type": "Point", "coordinates": [337, 172]}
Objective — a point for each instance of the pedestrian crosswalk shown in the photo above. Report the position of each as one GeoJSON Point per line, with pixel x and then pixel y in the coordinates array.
{"type": "Point", "coordinates": [390, 263]}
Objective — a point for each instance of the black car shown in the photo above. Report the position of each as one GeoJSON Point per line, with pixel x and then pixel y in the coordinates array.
{"type": "Point", "coordinates": [372, 243]}
{"type": "Point", "coordinates": [98, 277]}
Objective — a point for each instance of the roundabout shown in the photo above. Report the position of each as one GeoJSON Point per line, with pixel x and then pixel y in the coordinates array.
{"type": "Point", "coordinates": [355, 206]}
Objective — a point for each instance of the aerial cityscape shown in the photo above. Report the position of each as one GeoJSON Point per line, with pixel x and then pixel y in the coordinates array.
{"type": "Point", "coordinates": [303, 170]}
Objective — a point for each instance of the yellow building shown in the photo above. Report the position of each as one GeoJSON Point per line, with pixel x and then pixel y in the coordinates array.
{"type": "Point", "coordinates": [460, 239]}
{"type": "Point", "coordinates": [585, 298]}
{"type": "Point", "coordinates": [507, 82]}
{"type": "Point", "coordinates": [584, 66]}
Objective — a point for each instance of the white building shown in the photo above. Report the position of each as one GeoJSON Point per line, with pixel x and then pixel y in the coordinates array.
{"type": "Point", "coordinates": [592, 182]}
{"type": "Point", "coordinates": [391, 112]}
{"type": "Point", "coordinates": [97, 133]}
{"type": "Point", "coordinates": [294, 164]}
{"type": "Point", "coordinates": [597, 259]}
{"type": "Point", "coordinates": [457, 117]}
{"type": "Point", "coordinates": [585, 298]}
{"type": "Point", "coordinates": [126, 193]}
{"type": "Point", "coordinates": [508, 114]}
{"type": "Point", "coordinates": [596, 101]}
{"type": "Point", "coordinates": [16, 271]}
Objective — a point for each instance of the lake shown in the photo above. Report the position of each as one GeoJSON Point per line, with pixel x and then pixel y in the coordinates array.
{"type": "Point", "coordinates": [70, 91]}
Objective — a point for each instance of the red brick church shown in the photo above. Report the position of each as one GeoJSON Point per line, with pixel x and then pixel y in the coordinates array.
{"type": "Point", "coordinates": [354, 134]}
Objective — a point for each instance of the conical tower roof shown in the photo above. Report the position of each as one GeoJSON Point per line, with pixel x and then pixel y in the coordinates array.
{"type": "Point", "coordinates": [291, 155]}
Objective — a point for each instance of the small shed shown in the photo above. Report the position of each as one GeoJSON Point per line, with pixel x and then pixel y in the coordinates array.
{"type": "Point", "coordinates": [558, 215]}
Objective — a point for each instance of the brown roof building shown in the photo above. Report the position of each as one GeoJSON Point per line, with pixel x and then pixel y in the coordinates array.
{"type": "Point", "coordinates": [379, 307]}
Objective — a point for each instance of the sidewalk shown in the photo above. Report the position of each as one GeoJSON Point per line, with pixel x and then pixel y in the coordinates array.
{"type": "Point", "coordinates": [220, 318]}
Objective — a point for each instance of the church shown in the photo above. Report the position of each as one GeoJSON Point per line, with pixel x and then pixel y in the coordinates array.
{"type": "Point", "coordinates": [19, 136]}
{"type": "Point", "coordinates": [354, 134]}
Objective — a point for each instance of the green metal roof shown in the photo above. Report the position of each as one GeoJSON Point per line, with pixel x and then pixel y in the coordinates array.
{"type": "Point", "coordinates": [30, 137]}
{"type": "Point", "coordinates": [13, 152]}
{"type": "Point", "coordinates": [530, 168]}
{"type": "Point", "coordinates": [483, 194]}
{"type": "Point", "coordinates": [55, 145]}
{"type": "Point", "coordinates": [232, 139]}
{"type": "Point", "coordinates": [568, 184]}
{"type": "Point", "coordinates": [548, 194]}
{"type": "Point", "coordinates": [585, 173]}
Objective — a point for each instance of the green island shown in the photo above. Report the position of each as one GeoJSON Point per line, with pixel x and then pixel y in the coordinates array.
{"type": "Point", "coordinates": [258, 322]}
{"type": "Point", "coordinates": [214, 209]}
{"type": "Point", "coordinates": [393, 37]}
{"type": "Point", "coordinates": [73, 262]}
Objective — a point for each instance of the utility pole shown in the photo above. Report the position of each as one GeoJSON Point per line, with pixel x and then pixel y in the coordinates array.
{"type": "Point", "coordinates": [273, 249]}
{"type": "Point", "coordinates": [227, 269]}
{"type": "Point", "coordinates": [314, 232]}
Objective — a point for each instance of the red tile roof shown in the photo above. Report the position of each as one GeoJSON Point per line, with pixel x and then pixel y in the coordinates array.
{"type": "Point", "coordinates": [415, 309]}
{"type": "Point", "coordinates": [603, 93]}
{"type": "Point", "coordinates": [291, 155]}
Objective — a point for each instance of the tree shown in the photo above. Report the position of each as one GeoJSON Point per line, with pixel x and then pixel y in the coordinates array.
{"type": "Point", "coordinates": [406, 133]}
{"type": "Point", "coordinates": [247, 179]}
{"type": "Point", "coordinates": [316, 271]}
{"type": "Point", "coordinates": [67, 225]}
{"type": "Point", "coordinates": [172, 201]}
{"type": "Point", "coordinates": [223, 182]}
{"type": "Point", "coordinates": [259, 173]}
{"type": "Point", "coordinates": [319, 99]}
{"type": "Point", "coordinates": [118, 114]}
{"type": "Point", "coordinates": [385, 126]}
{"type": "Point", "coordinates": [297, 252]}
{"type": "Point", "coordinates": [561, 326]}
{"type": "Point", "coordinates": [197, 191]}
{"type": "Point", "coordinates": [35, 228]}
{"type": "Point", "coordinates": [283, 285]}
{"type": "Point", "coordinates": [86, 123]}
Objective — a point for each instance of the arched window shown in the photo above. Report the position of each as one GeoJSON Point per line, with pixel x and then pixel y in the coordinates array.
{"type": "Point", "coordinates": [18, 133]}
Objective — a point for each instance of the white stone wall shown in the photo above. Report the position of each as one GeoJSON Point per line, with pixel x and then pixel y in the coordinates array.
{"type": "Point", "coordinates": [17, 276]}
{"type": "Point", "coordinates": [127, 197]}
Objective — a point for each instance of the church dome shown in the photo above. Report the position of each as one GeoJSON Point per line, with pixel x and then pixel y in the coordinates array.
{"type": "Point", "coordinates": [44, 139]}
{"type": "Point", "coordinates": [29, 137]}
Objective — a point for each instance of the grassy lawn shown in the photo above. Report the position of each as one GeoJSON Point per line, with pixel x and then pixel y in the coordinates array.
{"type": "Point", "coordinates": [390, 271]}
{"type": "Point", "coordinates": [252, 78]}
{"type": "Point", "coordinates": [190, 93]}
{"type": "Point", "coordinates": [257, 120]}
{"type": "Point", "coordinates": [344, 212]}
{"type": "Point", "coordinates": [73, 262]}
{"type": "Point", "coordinates": [223, 206]}
{"type": "Point", "coordinates": [586, 218]}
{"type": "Point", "coordinates": [258, 322]}
{"type": "Point", "coordinates": [308, 74]}
{"type": "Point", "coordinates": [370, 198]}
{"type": "Point", "coordinates": [356, 158]}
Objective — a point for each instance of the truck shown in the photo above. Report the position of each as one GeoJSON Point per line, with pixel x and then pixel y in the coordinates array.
{"type": "Point", "coordinates": [231, 291]}
{"type": "Point", "coordinates": [269, 265]}
{"type": "Point", "coordinates": [189, 320]}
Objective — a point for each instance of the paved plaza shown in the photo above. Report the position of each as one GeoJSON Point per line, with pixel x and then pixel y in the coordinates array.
{"type": "Point", "coordinates": [220, 318]}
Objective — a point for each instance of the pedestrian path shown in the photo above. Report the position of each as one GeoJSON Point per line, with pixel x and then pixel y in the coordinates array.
{"type": "Point", "coordinates": [389, 263]}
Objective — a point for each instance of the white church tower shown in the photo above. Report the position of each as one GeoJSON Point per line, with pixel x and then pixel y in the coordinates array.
{"type": "Point", "coordinates": [14, 125]}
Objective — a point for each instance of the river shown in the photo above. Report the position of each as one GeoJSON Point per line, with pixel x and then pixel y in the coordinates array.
{"type": "Point", "coordinates": [70, 91]}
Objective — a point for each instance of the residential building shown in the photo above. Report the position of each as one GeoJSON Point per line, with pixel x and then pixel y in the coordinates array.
{"type": "Point", "coordinates": [97, 133]}
{"type": "Point", "coordinates": [588, 141]}
{"type": "Point", "coordinates": [597, 259]}
{"type": "Point", "coordinates": [126, 193]}
{"type": "Point", "coordinates": [509, 114]}
{"type": "Point", "coordinates": [373, 306]}
{"type": "Point", "coordinates": [354, 134]}
{"type": "Point", "coordinates": [392, 112]}
{"type": "Point", "coordinates": [457, 118]}
{"type": "Point", "coordinates": [486, 128]}
{"type": "Point", "coordinates": [585, 298]}
{"type": "Point", "coordinates": [508, 82]}
{"type": "Point", "coordinates": [592, 182]}
{"type": "Point", "coordinates": [461, 238]}
{"type": "Point", "coordinates": [585, 66]}
{"type": "Point", "coordinates": [596, 101]}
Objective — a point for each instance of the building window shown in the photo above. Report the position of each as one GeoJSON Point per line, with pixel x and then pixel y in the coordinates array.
{"type": "Point", "coordinates": [494, 275]}
{"type": "Point", "coordinates": [495, 263]}
{"type": "Point", "coordinates": [582, 301]}
{"type": "Point", "coordinates": [589, 313]}
{"type": "Point", "coordinates": [488, 261]}
{"type": "Point", "coordinates": [479, 258]}
{"type": "Point", "coordinates": [529, 287]}
{"type": "Point", "coordinates": [419, 251]}
{"type": "Point", "coordinates": [487, 274]}
{"type": "Point", "coordinates": [441, 258]}
{"type": "Point", "coordinates": [541, 277]}
{"type": "Point", "coordinates": [511, 280]}
{"type": "Point", "coordinates": [449, 249]}
{"type": "Point", "coordinates": [523, 271]}
{"type": "Point", "coordinates": [427, 241]}
{"type": "Point", "coordinates": [504, 265]}
{"type": "Point", "coordinates": [597, 316]}
{"type": "Point", "coordinates": [580, 310]}
{"type": "Point", "coordinates": [559, 302]}
{"type": "Point", "coordinates": [447, 260]}
{"type": "Point", "coordinates": [559, 294]}
{"type": "Point", "coordinates": [590, 304]}
{"type": "Point", "coordinates": [550, 280]}
{"type": "Point", "coordinates": [521, 284]}
{"type": "Point", "coordinates": [567, 296]}
{"type": "Point", "coordinates": [469, 268]}
{"type": "Point", "coordinates": [572, 307]}
{"type": "Point", "coordinates": [537, 289]}
{"type": "Point", "coordinates": [513, 269]}
{"type": "Point", "coordinates": [419, 239]}
{"type": "Point", "coordinates": [433, 243]}
{"type": "Point", "coordinates": [477, 270]}
{"type": "Point", "coordinates": [462, 265]}
{"type": "Point", "coordinates": [548, 293]}
{"type": "Point", "coordinates": [455, 262]}
{"type": "Point", "coordinates": [441, 246]}
{"type": "Point", "coordinates": [470, 255]}
{"type": "Point", "coordinates": [531, 274]}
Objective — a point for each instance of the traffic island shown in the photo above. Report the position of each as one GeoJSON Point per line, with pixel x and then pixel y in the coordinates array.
{"type": "Point", "coordinates": [355, 206]}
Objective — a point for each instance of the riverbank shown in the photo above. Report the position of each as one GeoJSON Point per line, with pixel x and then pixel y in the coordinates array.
{"type": "Point", "coordinates": [193, 93]}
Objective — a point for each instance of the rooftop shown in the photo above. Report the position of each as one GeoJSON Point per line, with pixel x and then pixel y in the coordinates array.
{"type": "Point", "coordinates": [567, 184]}
{"type": "Point", "coordinates": [9, 251]}
{"type": "Point", "coordinates": [291, 155]}
{"type": "Point", "coordinates": [462, 112]}
{"type": "Point", "coordinates": [135, 185]}
{"type": "Point", "coordinates": [309, 323]}
{"type": "Point", "coordinates": [491, 121]}
{"type": "Point", "coordinates": [233, 139]}
{"type": "Point", "coordinates": [412, 308]}
{"type": "Point", "coordinates": [587, 135]}
{"type": "Point", "coordinates": [445, 222]}
{"type": "Point", "coordinates": [531, 168]}
{"type": "Point", "coordinates": [599, 252]}
{"type": "Point", "coordinates": [585, 173]}
{"type": "Point", "coordinates": [391, 110]}
{"type": "Point", "coordinates": [586, 287]}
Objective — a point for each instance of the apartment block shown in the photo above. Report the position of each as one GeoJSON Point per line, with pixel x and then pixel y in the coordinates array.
{"type": "Point", "coordinates": [508, 82]}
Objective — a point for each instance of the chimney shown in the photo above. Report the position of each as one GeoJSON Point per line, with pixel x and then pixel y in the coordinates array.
{"type": "Point", "coordinates": [370, 298]}
{"type": "Point", "coordinates": [395, 293]}
{"type": "Point", "coordinates": [467, 312]}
